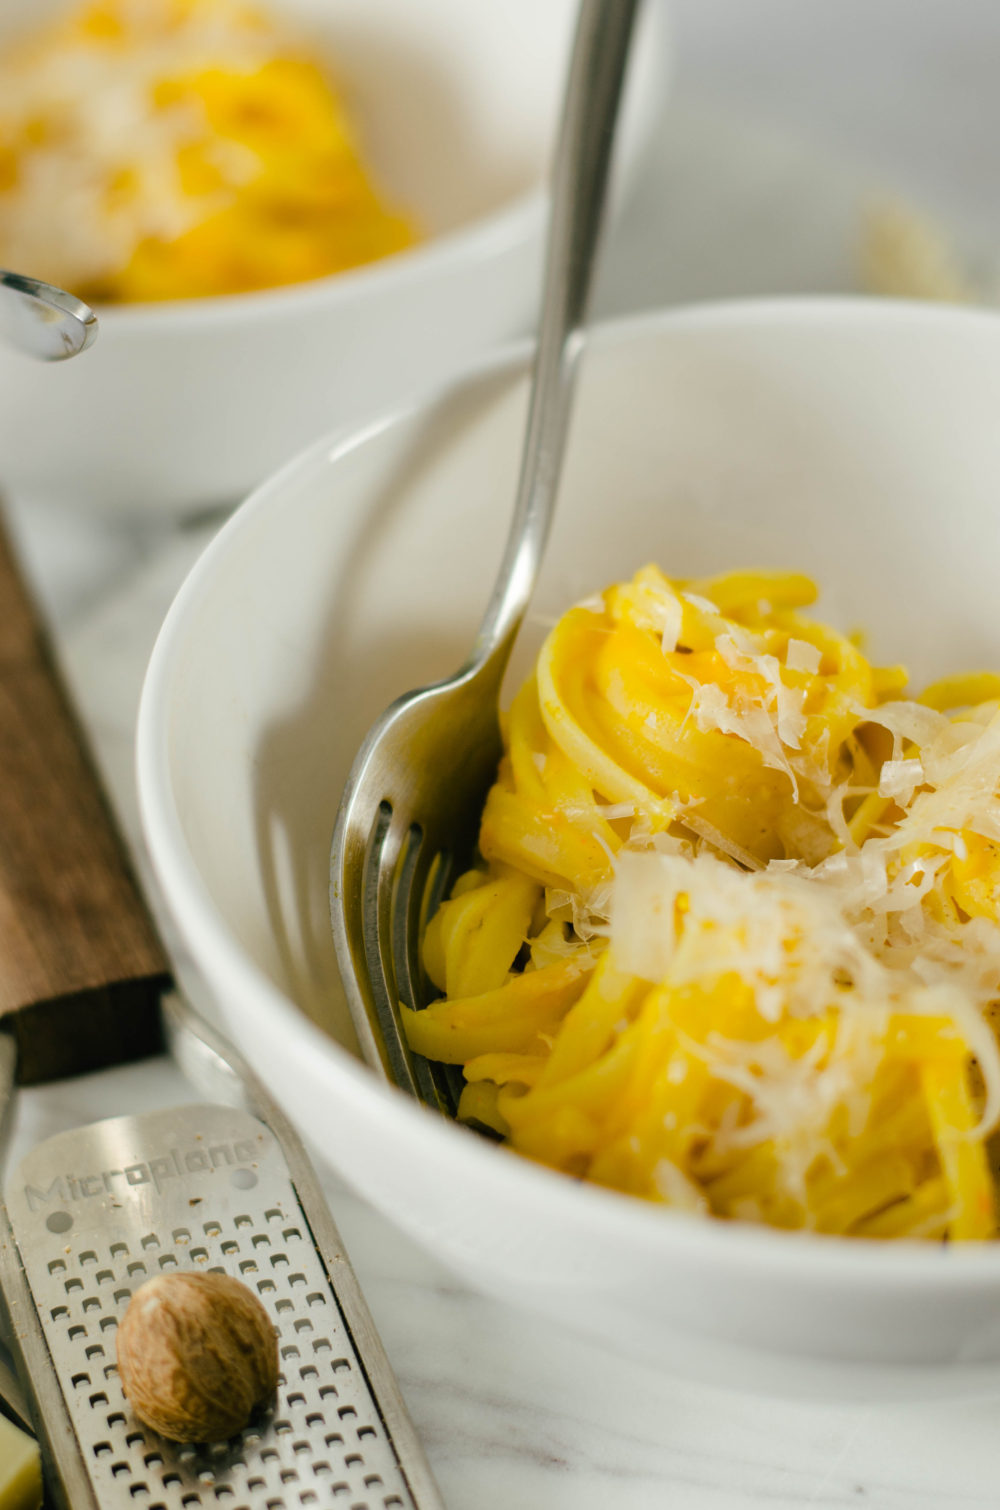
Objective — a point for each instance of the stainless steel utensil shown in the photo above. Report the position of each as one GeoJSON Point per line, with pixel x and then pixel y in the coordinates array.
{"type": "Point", "coordinates": [43, 321]}
{"type": "Point", "coordinates": [92, 1213]}
{"type": "Point", "coordinates": [413, 800]}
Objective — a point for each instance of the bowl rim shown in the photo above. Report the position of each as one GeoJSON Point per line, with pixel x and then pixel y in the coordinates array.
{"type": "Point", "coordinates": [480, 240]}
{"type": "Point", "coordinates": [813, 1258]}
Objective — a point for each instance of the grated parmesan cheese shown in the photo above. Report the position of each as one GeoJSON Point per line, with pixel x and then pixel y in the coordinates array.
{"type": "Point", "coordinates": [899, 779]}
{"type": "Point", "coordinates": [801, 656]}
{"type": "Point", "coordinates": [800, 940]}
{"type": "Point", "coordinates": [697, 601]}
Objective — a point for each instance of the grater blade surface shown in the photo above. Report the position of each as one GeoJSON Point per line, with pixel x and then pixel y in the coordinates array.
{"type": "Point", "coordinates": [96, 1211]}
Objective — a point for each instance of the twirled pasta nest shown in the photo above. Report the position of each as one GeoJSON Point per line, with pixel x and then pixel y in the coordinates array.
{"type": "Point", "coordinates": [732, 944]}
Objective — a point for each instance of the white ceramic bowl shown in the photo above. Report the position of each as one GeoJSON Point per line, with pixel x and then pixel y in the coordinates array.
{"type": "Point", "coordinates": [183, 405]}
{"type": "Point", "coordinates": [856, 441]}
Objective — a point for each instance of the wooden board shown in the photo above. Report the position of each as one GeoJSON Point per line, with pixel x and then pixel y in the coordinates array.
{"type": "Point", "coordinates": [81, 966]}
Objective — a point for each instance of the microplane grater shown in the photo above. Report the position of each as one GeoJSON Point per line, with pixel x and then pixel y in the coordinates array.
{"type": "Point", "coordinates": [92, 1213]}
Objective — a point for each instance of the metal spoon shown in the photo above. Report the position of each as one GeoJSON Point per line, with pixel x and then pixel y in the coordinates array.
{"type": "Point", "coordinates": [413, 800]}
{"type": "Point", "coordinates": [43, 321]}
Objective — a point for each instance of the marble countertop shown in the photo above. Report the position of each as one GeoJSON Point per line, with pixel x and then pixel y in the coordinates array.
{"type": "Point", "coordinates": [516, 1413]}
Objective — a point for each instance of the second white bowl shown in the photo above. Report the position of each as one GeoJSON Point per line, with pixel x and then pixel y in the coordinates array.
{"type": "Point", "coordinates": [188, 404]}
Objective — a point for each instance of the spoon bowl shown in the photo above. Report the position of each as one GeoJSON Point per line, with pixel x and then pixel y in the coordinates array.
{"type": "Point", "coordinates": [43, 321]}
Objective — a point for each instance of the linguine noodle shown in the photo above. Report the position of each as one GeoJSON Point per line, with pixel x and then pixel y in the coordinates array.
{"type": "Point", "coordinates": [731, 940]}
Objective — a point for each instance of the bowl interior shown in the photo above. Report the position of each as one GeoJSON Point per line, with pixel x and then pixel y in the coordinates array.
{"type": "Point", "coordinates": [857, 443]}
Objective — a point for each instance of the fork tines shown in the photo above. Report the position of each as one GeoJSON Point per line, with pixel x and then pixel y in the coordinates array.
{"type": "Point", "coordinates": [403, 882]}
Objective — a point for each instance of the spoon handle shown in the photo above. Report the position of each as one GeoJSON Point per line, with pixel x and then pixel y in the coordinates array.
{"type": "Point", "coordinates": [43, 321]}
{"type": "Point", "coordinates": [579, 180]}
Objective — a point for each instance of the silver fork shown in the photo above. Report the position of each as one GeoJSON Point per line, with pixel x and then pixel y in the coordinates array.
{"type": "Point", "coordinates": [411, 808]}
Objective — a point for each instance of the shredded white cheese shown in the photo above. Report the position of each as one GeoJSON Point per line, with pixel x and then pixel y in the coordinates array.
{"type": "Point", "coordinates": [899, 779]}
{"type": "Point", "coordinates": [849, 935]}
{"type": "Point", "coordinates": [801, 656]}
{"type": "Point", "coordinates": [697, 601]}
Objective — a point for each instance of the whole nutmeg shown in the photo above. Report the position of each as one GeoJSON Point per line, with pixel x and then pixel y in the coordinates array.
{"type": "Point", "coordinates": [196, 1353]}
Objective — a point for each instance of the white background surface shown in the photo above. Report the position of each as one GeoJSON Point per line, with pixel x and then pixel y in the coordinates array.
{"type": "Point", "coordinates": [907, 86]}
{"type": "Point", "coordinates": [786, 115]}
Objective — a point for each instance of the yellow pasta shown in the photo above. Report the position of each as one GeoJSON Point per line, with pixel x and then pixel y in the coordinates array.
{"type": "Point", "coordinates": [732, 940]}
{"type": "Point", "coordinates": [167, 149]}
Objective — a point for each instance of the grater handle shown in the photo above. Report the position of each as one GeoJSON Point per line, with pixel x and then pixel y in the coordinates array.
{"type": "Point", "coordinates": [207, 1059]}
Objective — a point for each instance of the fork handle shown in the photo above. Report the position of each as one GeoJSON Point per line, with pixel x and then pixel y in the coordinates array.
{"type": "Point", "coordinates": [579, 181]}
